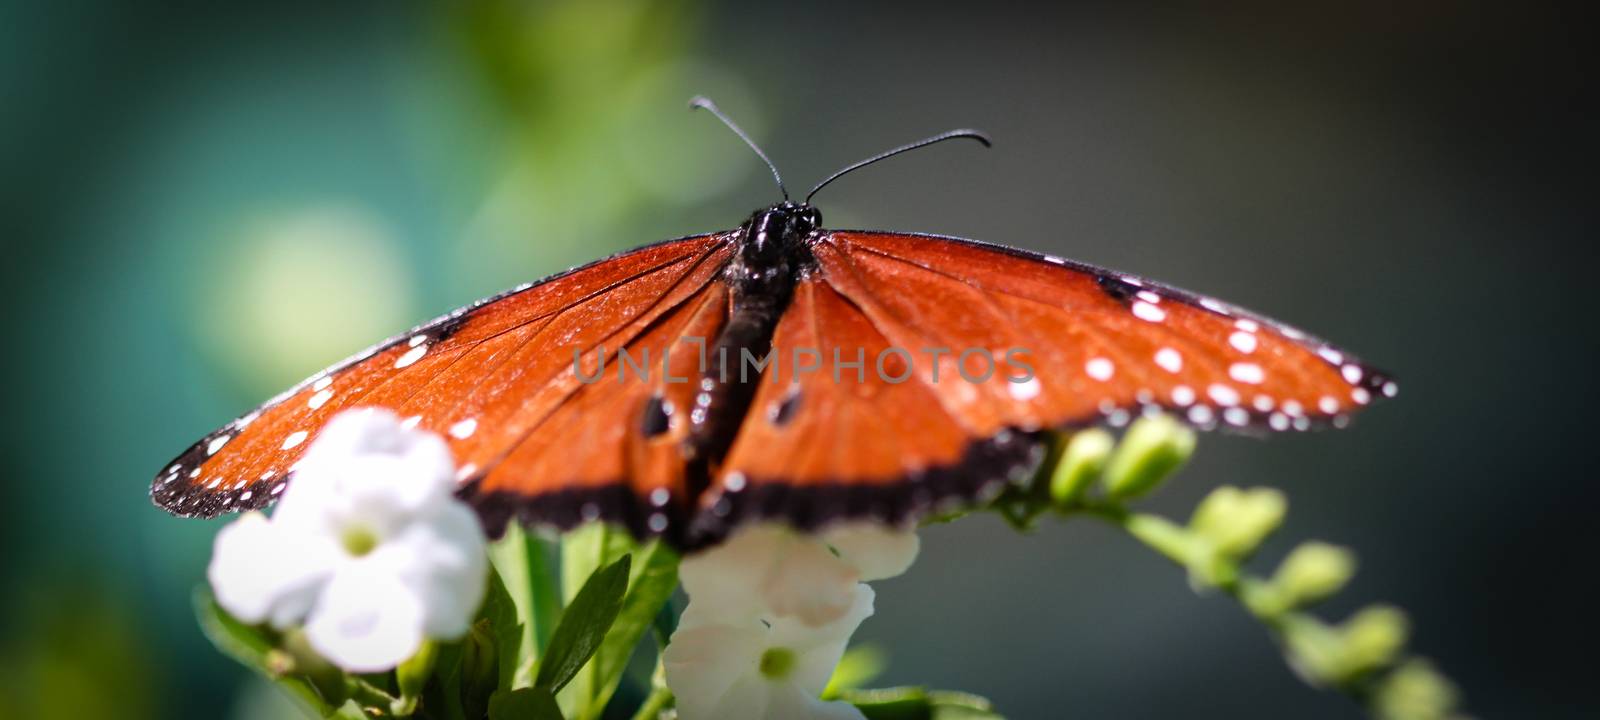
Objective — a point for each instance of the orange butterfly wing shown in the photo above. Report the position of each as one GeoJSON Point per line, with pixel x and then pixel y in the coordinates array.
{"type": "Point", "coordinates": [492, 378]}
{"type": "Point", "coordinates": [1101, 346]}
{"type": "Point", "coordinates": [546, 424]}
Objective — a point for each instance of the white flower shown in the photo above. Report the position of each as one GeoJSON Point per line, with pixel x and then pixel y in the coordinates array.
{"type": "Point", "coordinates": [368, 546]}
{"type": "Point", "coordinates": [753, 668]}
{"type": "Point", "coordinates": [770, 569]}
{"type": "Point", "coordinates": [770, 612]}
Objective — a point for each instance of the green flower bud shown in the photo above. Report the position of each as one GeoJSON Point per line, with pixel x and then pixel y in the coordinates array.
{"type": "Point", "coordinates": [1373, 638]}
{"type": "Point", "coordinates": [1151, 450]}
{"type": "Point", "coordinates": [330, 682]}
{"type": "Point", "coordinates": [1337, 656]}
{"type": "Point", "coordinates": [1082, 460]}
{"type": "Point", "coordinates": [1414, 691]}
{"type": "Point", "coordinates": [1236, 521]}
{"type": "Point", "coordinates": [412, 676]}
{"type": "Point", "coordinates": [1314, 650]}
{"type": "Point", "coordinates": [1312, 572]}
{"type": "Point", "coordinates": [480, 668]}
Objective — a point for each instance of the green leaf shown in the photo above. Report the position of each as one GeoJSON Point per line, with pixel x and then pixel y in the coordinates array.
{"type": "Point", "coordinates": [665, 622]}
{"type": "Point", "coordinates": [858, 667]}
{"type": "Point", "coordinates": [442, 697]}
{"type": "Point", "coordinates": [916, 703]}
{"type": "Point", "coordinates": [256, 648]}
{"type": "Point", "coordinates": [500, 609]}
{"type": "Point", "coordinates": [587, 549]}
{"type": "Point", "coordinates": [527, 566]}
{"type": "Point", "coordinates": [583, 625]}
{"type": "Point", "coordinates": [652, 581]}
{"type": "Point", "coordinates": [535, 703]}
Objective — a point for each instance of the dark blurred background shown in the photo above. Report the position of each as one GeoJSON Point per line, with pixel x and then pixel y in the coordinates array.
{"type": "Point", "coordinates": [204, 203]}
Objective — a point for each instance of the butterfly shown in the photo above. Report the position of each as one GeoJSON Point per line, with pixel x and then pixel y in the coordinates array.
{"type": "Point", "coordinates": [787, 372]}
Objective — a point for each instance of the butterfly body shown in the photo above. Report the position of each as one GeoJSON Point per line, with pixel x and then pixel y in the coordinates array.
{"type": "Point", "coordinates": [796, 374]}
{"type": "Point", "coordinates": [772, 252]}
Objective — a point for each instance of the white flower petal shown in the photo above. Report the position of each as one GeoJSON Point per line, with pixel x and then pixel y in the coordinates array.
{"type": "Point", "coordinates": [442, 558]}
{"type": "Point", "coordinates": [788, 702]}
{"type": "Point", "coordinates": [876, 551]}
{"type": "Point", "coordinates": [767, 570]}
{"type": "Point", "coordinates": [366, 464]}
{"type": "Point", "coordinates": [704, 662]}
{"type": "Point", "coordinates": [714, 668]}
{"type": "Point", "coordinates": [366, 620]}
{"type": "Point", "coordinates": [818, 648]}
{"type": "Point", "coordinates": [750, 696]}
{"type": "Point", "coordinates": [261, 574]}
{"type": "Point", "coordinates": [733, 567]}
{"type": "Point", "coordinates": [809, 582]}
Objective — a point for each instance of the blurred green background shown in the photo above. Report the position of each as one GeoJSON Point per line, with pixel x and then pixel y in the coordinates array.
{"type": "Point", "coordinates": [205, 202]}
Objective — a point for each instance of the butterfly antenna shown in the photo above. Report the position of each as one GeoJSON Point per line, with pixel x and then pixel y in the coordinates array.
{"type": "Point", "coordinates": [701, 101]}
{"type": "Point", "coordinates": [941, 137]}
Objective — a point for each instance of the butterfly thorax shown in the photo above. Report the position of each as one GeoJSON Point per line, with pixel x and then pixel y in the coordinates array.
{"type": "Point", "coordinates": [774, 251]}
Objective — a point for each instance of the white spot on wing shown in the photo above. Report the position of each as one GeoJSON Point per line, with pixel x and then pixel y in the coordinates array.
{"type": "Point", "coordinates": [1248, 373]}
{"type": "Point", "coordinates": [464, 429]}
{"type": "Point", "coordinates": [1351, 373]}
{"type": "Point", "coordinates": [217, 444]}
{"type": "Point", "coordinates": [1148, 312]}
{"type": "Point", "coordinates": [1100, 369]}
{"type": "Point", "coordinates": [1223, 395]}
{"type": "Point", "coordinates": [294, 439]}
{"type": "Point", "coordinates": [411, 356]}
{"type": "Point", "coordinates": [410, 422]}
{"type": "Point", "coordinates": [319, 399]}
{"type": "Point", "coordinates": [1182, 395]}
{"type": "Point", "coordinates": [1025, 390]}
{"type": "Point", "coordinates": [322, 383]}
{"type": "Point", "coordinates": [1243, 342]}
{"type": "Point", "coordinates": [1169, 359]}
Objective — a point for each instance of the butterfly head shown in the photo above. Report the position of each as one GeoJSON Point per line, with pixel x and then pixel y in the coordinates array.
{"type": "Point", "coordinates": [774, 232]}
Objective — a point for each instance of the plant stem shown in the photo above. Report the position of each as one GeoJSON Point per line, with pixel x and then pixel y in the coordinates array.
{"type": "Point", "coordinates": [368, 696]}
{"type": "Point", "coordinates": [658, 701]}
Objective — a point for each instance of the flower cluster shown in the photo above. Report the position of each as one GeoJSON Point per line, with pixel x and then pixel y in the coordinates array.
{"type": "Point", "coordinates": [368, 548]}
{"type": "Point", "coordinates": [770, 612]}
{"type": "Point", "coordinates": [372, 555]}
